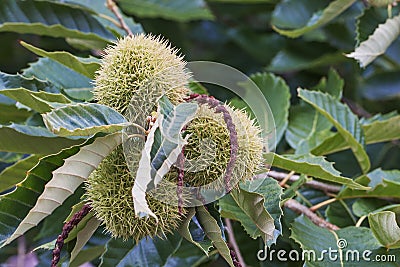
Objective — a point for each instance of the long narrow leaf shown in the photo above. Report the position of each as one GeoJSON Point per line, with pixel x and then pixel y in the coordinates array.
{"type": "Point", "coordinates": [66, 180]}
{"type": "Point", "coordinates": [85, 66]}
{"type": "Point", "coordinates": [378, 42]}
{"type": "Point", "coordinates": [38, 101]}
{"type": "Point", "coordinates": [212, 230]}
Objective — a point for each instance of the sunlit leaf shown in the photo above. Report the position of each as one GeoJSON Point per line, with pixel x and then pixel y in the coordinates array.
{"type": "Point", "coordinates": [83, 119]}
{"type": "Point", "coordinates": [378, 42]}
{"type": "Point", "coordinates": [170, 122]}
{"type": "Point", "coordinates": [179, 10]}
{"type": "Point", "coordinates": [66, 179]}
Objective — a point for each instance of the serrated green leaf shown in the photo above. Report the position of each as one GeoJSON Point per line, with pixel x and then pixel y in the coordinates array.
{"type": "Point", "coordinates": [319, 240]}
{"type": "Point", "coordinates": [66, 179]}
{"type": "Point", "coordinates": [25, 139]}
{"type": "Point", "coordinates": [307, 128]}
{"type": "Point", "coordinates": [49, 70]}
{"type": "Point", "coordinates": [382, 183]}
{"type": "Point", "coordinates": [149, 252]}
{"type": "Point", "coordinates": [84, 66]}
{"type": "Point", "coordinates": [83, 119]}
{"type": "Point", "coordinates": [179, 10]}
{"type": "Point", "coordinates": [212, 230]}
{"type": "Point", "coordinates": [333, 84]}
{"type": "Point", "coordinates": [13, 114]}
{"type": "Point", "coordinates": [16, 205]}
{"type": "Point", "coordinates": [248, 209]}
{"type": "Point", "coordinates": [385, 228]}
{"type": "Point", "coordinates": [51, 19]}
{"type": "Point", "coordinates": [318, 19]}
{"type": "Point", "coordinates": [38, 101]}
{"type": "Point", "coordinates": [170, 121]}
{"type": "Point", "coordinates": [83, 237]}
{"type": "Point", "coordinates": [16, 173]}
{"type": "Point", "coordinates": [31, 83]}
{"type": "Point", "coordinates": [184, 231]}
{"type": "Point", "coordinates": [377, 43]}
{"type": "Point", "coordinates": [343, 119]}
{"type": "Point", "coordinates": [313, 166]}
{"type": "Point", "coordinates": [375, 132]}
{"type": "Point", "coordinates": [276, 92]}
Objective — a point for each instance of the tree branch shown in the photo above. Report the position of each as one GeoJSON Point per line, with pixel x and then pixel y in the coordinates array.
{"type": "Point", "coordinates": [314, 184]}
{"type": "Point", "coordinates": [233, 243]}
{"type": "Point", "coordinates": [301, 209]}
{"type": "Point", "coordinates": [114, 9]}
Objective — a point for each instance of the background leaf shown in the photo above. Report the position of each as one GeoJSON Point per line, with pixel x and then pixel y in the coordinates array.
{"type": "Point", "coordinates": [147, 253]}
{"type": "Point", "coordinates": [248, 209]}
{"type": "Point", "coordinates": [174, 10]}
{"type": "Point", "coordinates": [277, 94]}
{"type": "Point", "coordinates": [317, 239]}
{"type": "Point", "coordinates": [320, 18]}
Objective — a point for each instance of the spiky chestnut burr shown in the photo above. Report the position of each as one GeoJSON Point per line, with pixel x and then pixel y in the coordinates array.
{"type": "Point", "coordinates": [211, 125]}
{"type": "Point", "coordinates": [109, 190]}
{"type": "Point", "coordinates": [135, 72]}
{"type": "Point", "coordinates": [140, 67]}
